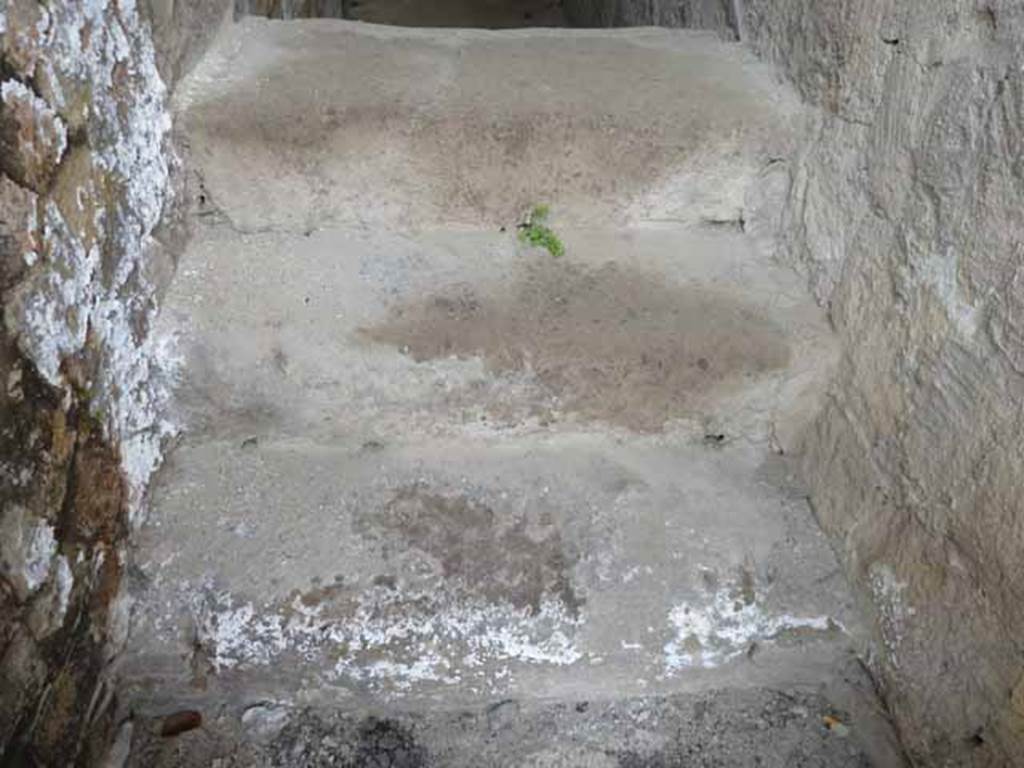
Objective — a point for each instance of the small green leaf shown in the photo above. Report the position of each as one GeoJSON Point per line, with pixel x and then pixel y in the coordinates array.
{"type": "Point", "coordinates": [534, 232]}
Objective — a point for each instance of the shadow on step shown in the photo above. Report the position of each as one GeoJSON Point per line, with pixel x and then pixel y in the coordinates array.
{"type": "Point", "coordinates": [486, 14]}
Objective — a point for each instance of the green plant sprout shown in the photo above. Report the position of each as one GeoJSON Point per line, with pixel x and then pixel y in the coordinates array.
{"type": "Point", "coordinates": [534, 231]}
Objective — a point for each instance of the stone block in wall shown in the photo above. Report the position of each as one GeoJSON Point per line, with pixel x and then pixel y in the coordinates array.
{"type": "Point", "coordinates": [86, 160]}
{"type": "Point", "coordinates": [23, 672]}
{"type": "Point", "coordinates": [32, 136]}
{"type": "Point", "coordinates": [28, 551]}
{"type": "Point", "coordinates": [18, 245]}
{"type": "Point", "coordinates": [23, 41]}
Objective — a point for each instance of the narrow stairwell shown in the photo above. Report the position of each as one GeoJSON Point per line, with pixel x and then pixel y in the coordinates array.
{"type": "Point", "coordinates": [444, 498]}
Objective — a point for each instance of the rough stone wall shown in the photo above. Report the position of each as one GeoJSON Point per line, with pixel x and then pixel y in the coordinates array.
{"type": "Point", "coordinates": [719, 15]}
{"type": "Point", "coordinates": [182, 29]}
{"type": "Point", "coordinates": [87, 171]}
{"type": "Point", "coordinates": [907, 213]}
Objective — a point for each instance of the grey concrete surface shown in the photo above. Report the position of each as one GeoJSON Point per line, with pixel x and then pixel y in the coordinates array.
{"type": "Point", "coordinates": [426, 467]}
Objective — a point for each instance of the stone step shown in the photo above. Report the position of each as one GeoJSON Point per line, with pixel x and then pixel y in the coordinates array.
{"type": "Point", "coordinates": [451, 467]}
{"type": "Point", "coordinates": [295, 125]}
{"type": "Point", "coordinates": [835, 725]}
{"type": "Point", "coordinates": [428, 470]}
{"type": "Point", "coordinates": [385, 336]}
{"type": "Point", "coordinates": [560, 566]}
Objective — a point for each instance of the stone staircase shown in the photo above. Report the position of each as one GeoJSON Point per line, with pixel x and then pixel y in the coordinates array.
{"type": "Point", "coordinates": [443, 498]}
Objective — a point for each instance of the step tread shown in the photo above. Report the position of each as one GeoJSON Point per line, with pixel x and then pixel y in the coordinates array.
{"type": "Point", "coordinates": [469, 569]}
{"type": "Point", "coordinates": [347, 332]}
{"type": "Point", "coordinates": [303, 123]}
{"type": "Point", "coordinates": [835, 726]}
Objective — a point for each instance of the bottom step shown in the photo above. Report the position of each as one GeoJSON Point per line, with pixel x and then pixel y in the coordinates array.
{"type": "Point", "coordinates": [838, 725]}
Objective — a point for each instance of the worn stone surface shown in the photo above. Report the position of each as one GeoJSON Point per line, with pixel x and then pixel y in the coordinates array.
{"type": "Point", "coordinates": [427, 466]}
{"type": "Point", "coordinates": [755, 727]}
{"type": "Point", "coordinates": [610, 342]}
{"type": "Point", "coordinates": [659, 114]}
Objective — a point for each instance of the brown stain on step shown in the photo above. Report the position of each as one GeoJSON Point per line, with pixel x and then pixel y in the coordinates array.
{"type": "Point", "coordinates": [614, 344]}
{"type": "Point", "coordinates": [478, 553]}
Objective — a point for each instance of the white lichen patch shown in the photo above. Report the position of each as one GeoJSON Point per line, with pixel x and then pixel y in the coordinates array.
{"type": "Point", "coordinates": [43, 137]}
{"type": "Point", "coordinates": [56, 306]}
{"type": "Point", "coordinates": [28, 547]}
{"type": "Point", "coordinates": [104, 49]}
{"type": "Point", "coordinates": [939, 273]}
{"type": "Point", "coordinates": [65, 582]}
{"type": "Point", "coordinates": [707, 635]}
{"type": "Point", "coordinates": [390, 640]}
{"type": "Point", "coordinates": [237, 634]}
{"type": "Point", "coordinates": [40, 549]}
{"type": "Point", "coordinates": [893, 609]}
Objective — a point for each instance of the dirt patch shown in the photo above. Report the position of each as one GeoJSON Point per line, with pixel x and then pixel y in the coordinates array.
{"type": "Point", "coordinates": [502, 562]}
{"type": "Point", "coordinates": [344, 742]}
{"type": "Point", "coordinates": [610, 343]}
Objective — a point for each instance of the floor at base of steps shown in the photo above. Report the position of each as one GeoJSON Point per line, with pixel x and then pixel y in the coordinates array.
{"type": "Point", "coordinates": [836, 725]}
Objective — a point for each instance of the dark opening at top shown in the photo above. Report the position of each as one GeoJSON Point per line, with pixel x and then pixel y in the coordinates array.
{"type": "Point", "coordinates": [722, 16]}
{"type": "Point", "coordinates": [487, 14]}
